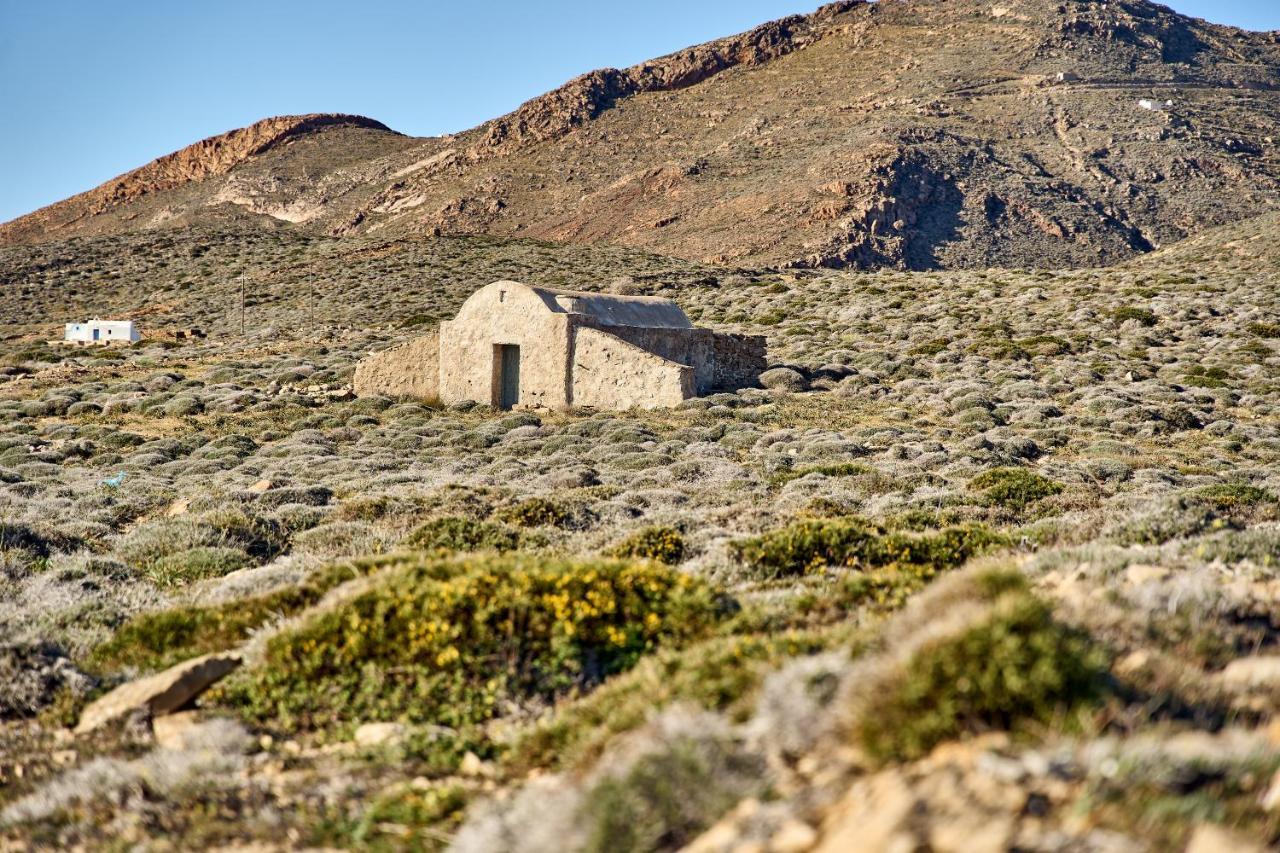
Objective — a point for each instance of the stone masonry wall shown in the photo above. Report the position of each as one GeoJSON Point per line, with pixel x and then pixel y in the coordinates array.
{"type": "Point", "coordinates": [737, 361]}
{"type": "Point", "coordinates": [721, 362]}
{"type": "Point", "coordinates": [610, 373]}
{"type": "Point", "coordinates": [409, 370]}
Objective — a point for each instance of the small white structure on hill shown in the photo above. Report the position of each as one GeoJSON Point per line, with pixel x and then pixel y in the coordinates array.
{"type": "Point", "coordinates": [97, 331]}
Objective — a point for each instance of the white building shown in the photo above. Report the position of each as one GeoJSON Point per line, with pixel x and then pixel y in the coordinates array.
{"type": "Point", "coordinates": [102, 332]}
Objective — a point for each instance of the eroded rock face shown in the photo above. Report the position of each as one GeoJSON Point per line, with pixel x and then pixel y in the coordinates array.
{"type": "Point", "coordinates": [585, 97]}
{"type": "Point", "coordinates": [159, 694]}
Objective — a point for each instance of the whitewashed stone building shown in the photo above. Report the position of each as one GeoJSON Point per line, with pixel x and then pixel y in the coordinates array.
{"type": "Point", "coordinates": [102, 332]}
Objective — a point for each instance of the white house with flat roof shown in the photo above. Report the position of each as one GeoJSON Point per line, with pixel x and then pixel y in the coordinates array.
{"type": "Point", "coordinates": [102, 332]}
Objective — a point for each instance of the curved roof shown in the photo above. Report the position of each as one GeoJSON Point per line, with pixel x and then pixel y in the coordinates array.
{"type": "Point", "coordinates": [608, 309]}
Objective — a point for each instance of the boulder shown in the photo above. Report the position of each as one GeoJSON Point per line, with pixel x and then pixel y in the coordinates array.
{"type": "Point", "coordinates": [1252, 672]}
{"type": "Point", "coordinates": [159, 694]}
{"type": "Point", "coordinates": [1210, 838]}
{"type": "Point", "coordinates": [379, 734]}
{"type": "Point", "coordinates": [173, 732]}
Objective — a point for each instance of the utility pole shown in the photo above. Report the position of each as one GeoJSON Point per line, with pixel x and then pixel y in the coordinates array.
{"type": "Point", "coordinates": [241, 280]}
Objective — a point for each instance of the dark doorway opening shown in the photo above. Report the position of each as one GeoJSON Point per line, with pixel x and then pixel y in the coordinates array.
{"type": "Point", "coordinates": [507, 381]}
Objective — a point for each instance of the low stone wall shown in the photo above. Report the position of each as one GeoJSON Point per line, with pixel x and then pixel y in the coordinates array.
{"type": "Point", "coordinates": [610, 373]}
{"type": "Point", "coordinates": [737, 361]}
{"type": "Point", "coordinates": [409, 370]}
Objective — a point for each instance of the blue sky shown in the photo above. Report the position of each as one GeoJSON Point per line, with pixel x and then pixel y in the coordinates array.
{"type": "Point", "coordinates": [93, 88]}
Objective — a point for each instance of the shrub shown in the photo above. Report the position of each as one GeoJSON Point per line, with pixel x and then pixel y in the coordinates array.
{"type": "Point", "coordinates": [808, 545]}
{"type": "Point", "coordinates": [261, 538]}
{"type": "Point", "coordinates": [406, 808]}
{"type": "Point", "coordinates": [1013, 488]}
{"type": "Point", "coordinates": [197, 564]}
{"type": "Point", "coordinates": [669, 796]}
{"type": "Point", "coordinates": [1229, 496]}
{"type": "Point", "coordinates": [664, 544]}
{"type": "Point", "coordinates": [463, 534]}
{"type": "Point", "coordinates": [162, 638]}
{"type": "Point", "coordinates": [1264, 330]}
{"type": "Point", "coordinates": [1014, 668]}
{"type": "Point", "coordinates": [453, 642]}
{"type": "Point", "coordinates": [1128, 312]}
{"type": "Point", "coordinates": [536, 512]}
{"type": "Point", "coordinates": [837, 469]}
{"type": "Point", "coordinates": [930, 347]}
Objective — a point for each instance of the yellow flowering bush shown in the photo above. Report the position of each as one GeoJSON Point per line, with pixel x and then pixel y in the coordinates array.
{"type": "Point", "coordinates": [454, 641]}
{"type": "Point", "coordinates": [664, 544]}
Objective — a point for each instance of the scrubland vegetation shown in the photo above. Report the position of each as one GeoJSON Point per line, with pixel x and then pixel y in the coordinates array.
{"type": "Point", "coordinates": [1016, 529]}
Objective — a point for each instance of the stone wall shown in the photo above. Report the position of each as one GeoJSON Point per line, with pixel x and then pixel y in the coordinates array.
{"type": "Point", "coordinates": [610, 373]}
{"type": "Point", "coordinates": [690, 347]}
{"type": "Point", "coordinates": [737, 361]}
{"type": "Point", "coordinates": [721, 362]}
{"type": "Point", "coordinates": [409, 370]}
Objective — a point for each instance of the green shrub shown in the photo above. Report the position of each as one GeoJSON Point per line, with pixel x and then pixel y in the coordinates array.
{"type": "Point", "coordinates": [1264, 330]}
{"type": "Point", "coordinates": [1128, 312]}
{"type": "Point", "coordinates": [166, 637]}
{"type": "Point", "coordinates": [664, 544]}
{"type": "Point", "coordinates": [668, 797]}
{"type": "Point", "coordinates": [453, 642]}
{"type": "Point", "coordinates": [197, 564]}
{"type": "Point", "coordinates": [1206, 377]}
{"type": "Point", "coordinates": [410, 810]}
{"type": "Point", "coordinates": [809, 545]}
{"type": "Point", "coordinates": [261, 538]}
{"type": "Point", "coordinates": [1013, 488]}
{"type": "Point", "coordinates": [1229, 496]}
{"type": "Point", "coordinates": [536, 512]}
{"type": "Point", "coordinates": [719, 674]}
{"type": "Point", "coordinates": [463, 534]}
{"type": "Point", "coordinates": [1015, 668]}
{"type": "Point", "coordinates": [931, 347]}
{"type": "Point", "coordinates": [836, 469]}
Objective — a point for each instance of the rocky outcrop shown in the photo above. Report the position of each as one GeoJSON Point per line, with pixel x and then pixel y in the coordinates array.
{"type": "Point", "coordinates": [585, 97]}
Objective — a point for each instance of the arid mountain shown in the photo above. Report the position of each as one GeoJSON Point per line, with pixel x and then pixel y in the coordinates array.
{"type": "Point", "coordinates": [906, 133]}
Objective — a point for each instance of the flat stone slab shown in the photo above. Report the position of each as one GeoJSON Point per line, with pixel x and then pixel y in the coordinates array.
{"type": "Point", "coordinates": [1252, 672]}
{"type": "Point", "coordinates": [159, 694]}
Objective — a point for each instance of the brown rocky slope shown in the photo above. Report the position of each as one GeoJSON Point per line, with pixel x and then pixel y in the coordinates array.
{"type": "Point", "coordinates": [905, 133]}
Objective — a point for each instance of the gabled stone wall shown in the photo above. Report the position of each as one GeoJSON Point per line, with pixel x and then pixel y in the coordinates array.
{"type": "Point", "coordinates": [721, 362]}
{"type": "Point", "coordinates": [610, 373]}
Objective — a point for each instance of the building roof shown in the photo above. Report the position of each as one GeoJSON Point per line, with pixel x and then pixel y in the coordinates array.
{"type": "Point", "coordinates": [609, 309]}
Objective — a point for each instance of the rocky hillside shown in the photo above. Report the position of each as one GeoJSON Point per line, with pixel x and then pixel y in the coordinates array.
{"type": "Point", "coordinates": [909, 134]}
{"type": "Point", "coordinates": [207, 158]}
